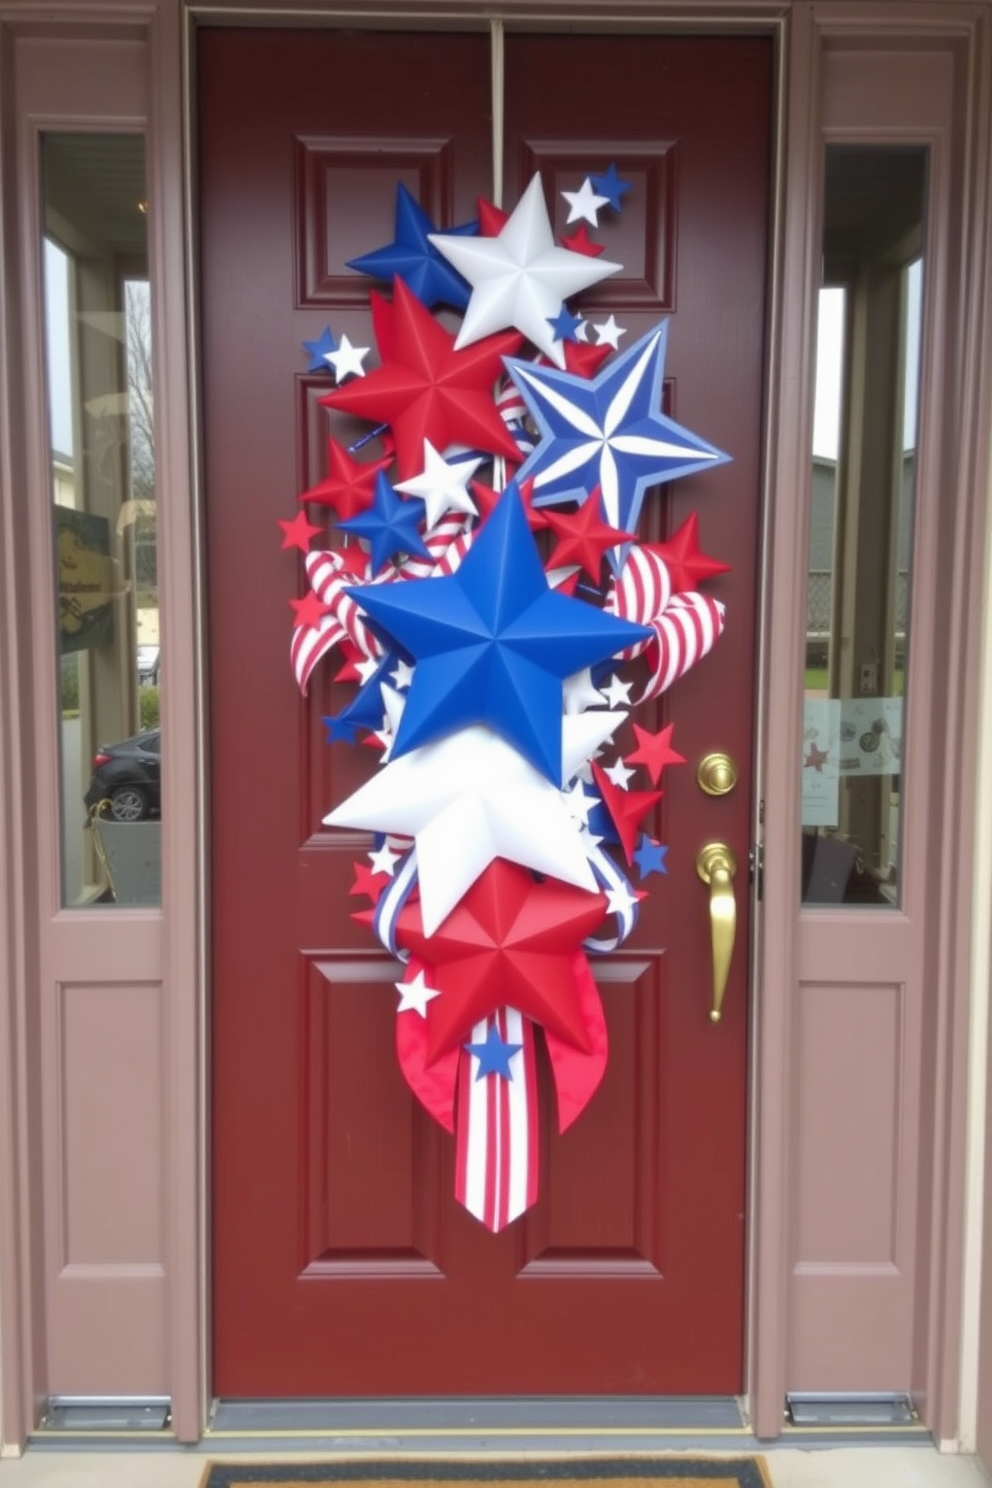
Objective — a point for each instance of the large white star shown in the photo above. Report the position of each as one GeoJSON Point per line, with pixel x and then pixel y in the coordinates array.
{"type": "Point", "coordinates": [469, 798]}
{"type": "Point", "coordinates": [442, 487]}
{"type": "Point", "coordinates": [520, 278]}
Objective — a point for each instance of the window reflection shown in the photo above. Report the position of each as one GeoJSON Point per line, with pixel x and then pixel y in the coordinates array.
{"type": "Point", "coordinates": [861, 523]}
{"type": "Point", "coordinates": [100, 414]}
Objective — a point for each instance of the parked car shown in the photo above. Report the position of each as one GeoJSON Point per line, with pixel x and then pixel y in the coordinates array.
{"type": "Point", "coordinates": [128, 775]}
{"type": "Point", "coordinates": [148, 661]}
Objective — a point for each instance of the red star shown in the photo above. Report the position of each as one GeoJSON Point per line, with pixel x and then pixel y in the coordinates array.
{"type": "Point", "coordinates": [654, 751]}
{"type": "Point", "coordinates": [510, 942]}
{"type": "Point", "coordinates": [583, 537]}
{"type": "Point", "coordinates": [298, 532]}
{"type": "Point", "coordinates": [349, 485]}
{"type": "Point", "coordinates": [369, 883]}
{"type": "Point", "coordinates": [486, 498]}
{"type": "Point", "coordinates": [580, 242]}
{"type": "Point", "coordinates": [492, 219]}
{"type": "Point", "coordinates": [583, 359]}
{"type": "Point", "coordinates": [627, 809]}
{"type": "Point", "coordinates": [816, 759]}
{"type": "Point", "coordinates": [686, 564]}
{"type": "Point", "coordinates": [310, 610]}
{"type": "Point", "coordinates": [428, 390]}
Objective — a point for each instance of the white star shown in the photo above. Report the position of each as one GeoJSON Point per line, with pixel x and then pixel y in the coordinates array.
{"type": "Point", "coordinates": [609, 333]}
{"type": "Point", "coordinates": [469, 798]}
{"type": "Point", "coordinates": [442, 487]}
{"type": "Point", "coordinates": [403, 675]}
{"type": "Point", "coordinates": [384, 860]}
{"type": "Point", "coordinates": [367, 667]}
{"type": "Point", "coordinates": [617, 694]}
{"type": "Point", "coordinates": [415, 995]}
{"type": "Point", "coordinates": [619, 773]}
{"type": "Point", "coordinates": [619, 901]}
{"type": "Point", "coordinates": [582, 331]}
{"type": "Point", "coordinates": [584, 205]}
{"type": "Point", "coordinates": [578, 693]}
{"type": "Point", "coordinates": [348, 359]}
{"type": "Point", "coordinates": [579, 804]}
{"type": "Point", "coordinates": [520, 278]}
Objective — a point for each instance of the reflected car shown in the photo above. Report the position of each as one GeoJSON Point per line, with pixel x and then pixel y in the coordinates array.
{"type": "Point", "coordinates": [128, 776]}
{"type": "Point", "coordinates": [148, 660]}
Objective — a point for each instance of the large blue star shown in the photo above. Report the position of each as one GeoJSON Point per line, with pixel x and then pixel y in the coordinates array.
{"type": "Point", "coordinates": [390, 525]}
{"type": "Point", "coordinates": [607, 431]}
{"type": "Point", "coordinates": [413, 258]}
{"type": "Point", "coordinates": [493, 643]}
{"type": "Point", "coordinates": [494, 1054]}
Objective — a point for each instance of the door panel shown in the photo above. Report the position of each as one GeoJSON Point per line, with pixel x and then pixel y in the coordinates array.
{"type": "Point", "coordinates": [339, 1250]}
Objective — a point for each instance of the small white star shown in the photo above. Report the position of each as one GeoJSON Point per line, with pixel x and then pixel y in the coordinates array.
{"type": "Point", "coordinates": [619, 773]}
{"type": "Point", "coordinates": [384, 860]}
{"type": "Point", "coordinates": [367, 667]}
{"type": "Point", "coordinates": [415, 995]}
{"type": "Point", "coordinates": [617, 694]}
{"type": "Point", "coordinates": [619, 901]}
{"type": "Point", "coordinates": [403, 675]}
{"type": "Point", "coordinates": [578, 693]}
{"type": "Point", "coordinates": [348, 359]}
{"type": "Point", "coordinates": [582, 331]}
{"type": "Point", "coordinates": [609, 333]}
{"type": "Point", "coordinates": [584, 204]}
{"type": "Point", "coordinates": [579, 804]}
{"type": "Point", "coordinates": [442, 487]}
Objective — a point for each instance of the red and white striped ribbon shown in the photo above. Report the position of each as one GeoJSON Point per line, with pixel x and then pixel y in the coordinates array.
{"type": "Point", "coordinates": [690, 627]}
{"type": "Point", "coordinates": [496, 1128]}
{"type": "Point", "coordinates": [640, 593]}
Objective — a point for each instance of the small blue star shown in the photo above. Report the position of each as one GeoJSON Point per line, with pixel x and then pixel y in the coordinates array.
{"type": "Point", "coordinates": [413, 258]}
{"type": "Point", "coordinates": [390, 525]}
{"type": "Point", "coordinates": [494, 1055]}
{"type": "Point", "coordinates": [565, 325]}
{"type": "Point", "coordinates": [650, 856]}
{"type": "Point", "coordinates": [318, 351]}
{"type": "Point", "coordinates": [366, 709]}
{"type": "Point", "coordinates": [610, 185]}
{"type": "Point", "coordinates": [338, 728]}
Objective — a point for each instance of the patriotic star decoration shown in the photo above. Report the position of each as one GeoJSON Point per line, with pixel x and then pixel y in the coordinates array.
{"type": "Point", "coordinates": [654, 751]}
{"type": "Point", "coordinates": [580, 242]}
{"type": "Point", "coordinates": [347, 360]}
{"type": "Point", "coordinates": [608, 432]}
{"type": "Point", "coordinates": [366, 709]}
{"type": "Point", "coordinates": [389, 526]}
{"type": "Point", "coordinates": [650, 857]}
{"type": "Point", "coordinates": [583, 537]}
{"type": "Point", "coordinates": [442, 486]}
{"type": "Point", "coordinates": [520, 277]}
{"type": "Point", "coordinates": [585, 204]}
{"type": "Point", "coordinates": [413, 258]}
{"type": "Point", "coordinates": [623, 811]}
{"type": "Point", "coordinates": [493, 1055]}
{"type": "Point", "coordinates": [493, 643]}
{"type": "Point", "coordinates": [688, 567]}
{"type": "Point", "coordinates": [318, 351]}
{"type": "Point", "coordinates": [609, 185]}
{"type": "Point", "coordinates": [349, 486]}
{"type": "Point", "coordinates": [608, 333]}
{"type": "Point", "coordinates": [298, 533]}
{"type": "Point", "coordinates": [565, 325]}
{"type": "Point", "coordinates": [415, 994]}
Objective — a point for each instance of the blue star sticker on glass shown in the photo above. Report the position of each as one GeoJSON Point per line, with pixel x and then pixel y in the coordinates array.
{"type": "Point", "coordinates": [493, 643]}
{"type": "Point", "coordinates": [413, 258]}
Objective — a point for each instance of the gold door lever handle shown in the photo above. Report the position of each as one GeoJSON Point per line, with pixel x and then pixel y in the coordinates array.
{"type": "Point", "coordinates": [716, 866]}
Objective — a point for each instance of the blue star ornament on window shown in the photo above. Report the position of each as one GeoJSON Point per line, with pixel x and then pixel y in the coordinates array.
{"type": "Point", "coordinates": [493, 643]}
{"type": "Point", "coordinates": [413, 258]}
{"type": "Point", "coordinates": [608, 431]}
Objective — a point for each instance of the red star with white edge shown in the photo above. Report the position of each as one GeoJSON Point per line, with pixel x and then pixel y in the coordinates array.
{"type": "Point", "coordinates": [627, 808]}
{"type": "Point", "coordinates": [349, 485]}
{"type": "Point", "coordinates": [511, 941]}
{"type": "Point", "coordinates": [427, 390]}
{"type": "Point", "coordinates": [654, 751]}
{"type": "Point", "coordinates": [687, 566]}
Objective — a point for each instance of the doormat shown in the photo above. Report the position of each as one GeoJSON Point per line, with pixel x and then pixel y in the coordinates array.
{"type": "Point", "coordinates": [675, 1472]}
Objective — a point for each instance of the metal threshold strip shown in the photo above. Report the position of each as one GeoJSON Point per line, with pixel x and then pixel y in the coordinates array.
{"type": "Point", "coordinates": [878, 1409]}
{"type": "Point", "coordinates": [107, 1413]}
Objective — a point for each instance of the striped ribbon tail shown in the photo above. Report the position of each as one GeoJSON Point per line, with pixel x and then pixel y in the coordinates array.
{"type": "Point", "coordinates": [311, 642]}
{"type": "Point", "coordinates": [611, 878]}
{"type": "Point", "coordinates": [392, 900]}
{"type": "Point", "coordinates": [496, 1128]}
{"type": "Point", "coordinates": [686, 632]}
{"type": "Point", "coordinates": [331, 587]}
{"type": "Point", "coordinates": [641, 593]}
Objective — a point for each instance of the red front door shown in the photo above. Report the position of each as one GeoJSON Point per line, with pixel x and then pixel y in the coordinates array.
{"type": "Point", "coordinates": [342, 1264]}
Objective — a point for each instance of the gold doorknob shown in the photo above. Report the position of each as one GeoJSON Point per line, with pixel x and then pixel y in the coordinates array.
{"type": "Point", "coordinates": [716, 866]}
{"type": "Point", "coordinates": [717, 774]}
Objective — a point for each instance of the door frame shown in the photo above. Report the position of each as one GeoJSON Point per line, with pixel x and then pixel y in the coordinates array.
{"type": "Point", "coordinates": [806, 37]}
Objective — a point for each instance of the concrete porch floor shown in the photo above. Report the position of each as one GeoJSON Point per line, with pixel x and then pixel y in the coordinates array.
{"type": "Point", "coordinates": [839, 1467]}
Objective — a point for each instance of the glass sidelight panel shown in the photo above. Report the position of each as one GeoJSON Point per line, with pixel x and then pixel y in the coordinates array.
{"type": "Point", "coordinates": [102, 444]}
{"type": "Point", "coordinates": [858, 620]}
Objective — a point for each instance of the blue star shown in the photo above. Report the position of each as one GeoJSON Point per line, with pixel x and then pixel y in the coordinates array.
{"type": "Point", "coordinates": [338, 728]}
{"type": "Point", "coordinates": [494, 1055]}
{"type": "Point", "coordinates": [610, 185]}
{"type": "Point", "coordinates": [390, 525]}
{"type": "Point", "coordinates": [493, 643]}
{"type": "Point", "coordinates": [366, 709]}
{"type": "Point", "coordinates": [415, 260]}
{"type": "Point", "coordinates": [650, 856]}
{"type": "Point", "coordinates": [565, 325]}
{"type": "Point", "coordinates": [607, 431]}
{"type": "Point", "coordinates": [318, 351]}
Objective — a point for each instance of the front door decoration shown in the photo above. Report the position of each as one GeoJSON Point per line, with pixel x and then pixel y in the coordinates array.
{"type": "Point", "coordinates": [497, 630]}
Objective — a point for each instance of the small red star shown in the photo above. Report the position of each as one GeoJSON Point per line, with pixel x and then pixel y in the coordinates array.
{"type": "Point", "coordinates": [310, 610]}
{"type": "Point", "coordinates": [583, 359]}
{"type": "Point", "coordinates": [627, 808]}
{"type": "Point", "coordinates": [349, 485]}
{"type": "Point", "coordinates": [816, 759]}
{"type": "Point", "coordinates": [580, 242]}
{"type": "Point", "coordinates": [298, 532]}
{"type": "Point", "coordinates": [583, 537]}
{"type": "Point", "coordinates": [486, 498]}
{"type": "Point", "coordinates": [368, 882]}
{"type": "Point", "coordinates": [492, 219]}
{"type": "Point", "coordinates": [654, 751]}
{"type": "Point", "coordinates": [686, 564]}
